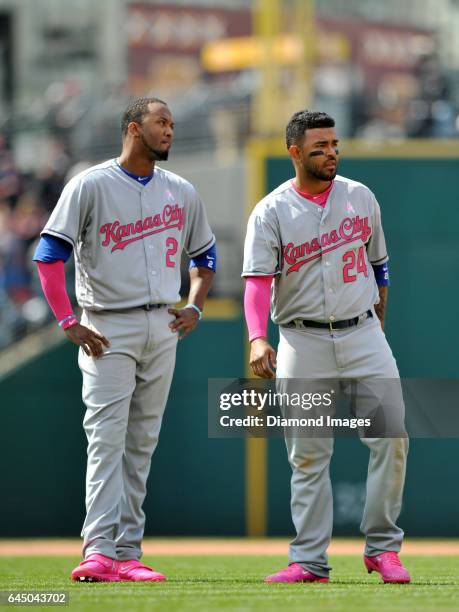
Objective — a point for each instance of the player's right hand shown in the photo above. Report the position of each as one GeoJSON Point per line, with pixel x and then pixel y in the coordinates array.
{"type": "Point", "coordinates": [262, 358]}
{"type": "Point", "coordinates": [91, 342]}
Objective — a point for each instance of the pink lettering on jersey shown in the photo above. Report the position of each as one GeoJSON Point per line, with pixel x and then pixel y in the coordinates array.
{"type": "Point", "coordinates": [120, 236]}
{"type": "Point", "coordinates": [355, 226]}
{"type": "Point", "coordinates": [351, 229]}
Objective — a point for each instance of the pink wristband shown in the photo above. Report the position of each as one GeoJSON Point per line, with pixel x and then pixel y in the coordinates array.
{"type": "Point", "coordinates": [69, 321]}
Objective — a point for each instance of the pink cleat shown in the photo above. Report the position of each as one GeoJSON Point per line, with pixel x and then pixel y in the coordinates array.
{"type": "Point", "coordinates": [389, 566]}
{"type": "Point", "coordinates": [295, 573]}
{"type": "Point", "coordinates": [96, 568]}
{"type": "Point", "coordinates": [137, 572]}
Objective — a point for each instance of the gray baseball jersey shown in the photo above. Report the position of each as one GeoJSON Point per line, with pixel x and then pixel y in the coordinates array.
{"type": "Point", "coordinates": [128, 238]}
{"type": "Point", "coordinates": [321, 257]}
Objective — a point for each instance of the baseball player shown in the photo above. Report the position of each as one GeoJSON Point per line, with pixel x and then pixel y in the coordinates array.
{"type": "Point", "coordinates": [127, 222]}
{"type": "Point", "coordinates": [316, 245]}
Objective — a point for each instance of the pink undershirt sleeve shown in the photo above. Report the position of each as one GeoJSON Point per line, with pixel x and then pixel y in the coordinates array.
{"type": "Point", "coordinates": [52, 278]}
{"type": "Point", "coordinates": [256, 305]}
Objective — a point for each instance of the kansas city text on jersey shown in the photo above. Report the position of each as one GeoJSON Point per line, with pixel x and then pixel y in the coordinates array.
{"type": "Point", "coordinates": [171, 217]}
{"type": "Point", "coordinates": [350, 230]}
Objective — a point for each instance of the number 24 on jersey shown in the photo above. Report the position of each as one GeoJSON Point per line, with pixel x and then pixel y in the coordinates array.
{"type": "Point", "coordinates": [354, 264]}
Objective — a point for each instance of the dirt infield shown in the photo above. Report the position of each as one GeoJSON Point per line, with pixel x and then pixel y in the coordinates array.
{"type": "Point", "coordinates": [178, 547]}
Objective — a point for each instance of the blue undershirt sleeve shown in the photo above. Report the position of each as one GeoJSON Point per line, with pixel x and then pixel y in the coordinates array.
{"type": "Point", "coordinates": [382, 274]}
{"type": "Point", "coordinates": [50, 248]}
{"type": "Point", "coordinates": [208, 259]}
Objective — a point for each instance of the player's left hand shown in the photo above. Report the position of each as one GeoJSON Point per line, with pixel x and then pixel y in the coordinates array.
{"type": "Point", "coordinates": [262, 358]}
{"type": "Point", "coordinates": [186, 320]}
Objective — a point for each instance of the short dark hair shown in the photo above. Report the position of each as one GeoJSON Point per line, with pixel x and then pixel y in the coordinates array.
{"type": "Point", "coordinates": [306, 120]}
{"type": "Point", "coordinates": [136, 111]}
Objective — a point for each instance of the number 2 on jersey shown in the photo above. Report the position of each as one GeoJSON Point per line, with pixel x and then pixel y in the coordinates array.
{"type": "Point", "coordinates": [172, 246]}
{"type": "Point", "coordinates": [353, 262]}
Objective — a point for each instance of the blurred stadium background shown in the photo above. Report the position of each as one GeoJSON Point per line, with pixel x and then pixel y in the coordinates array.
{"type": "Point", "coordinates": [232, 72]}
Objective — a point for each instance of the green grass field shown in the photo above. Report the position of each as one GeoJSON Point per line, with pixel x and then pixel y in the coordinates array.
{"type": "Point", "coordinates": [235, 583]}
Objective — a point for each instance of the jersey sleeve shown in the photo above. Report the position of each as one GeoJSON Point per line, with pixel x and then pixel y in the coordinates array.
{"type": "Point", "coordinates": [376, 247]}
{"type": "Point", "coordinates": [68, 217]}
{"type": "Point", "coordinates": [261, 249]}
{"type": "Point", "coordinates": [199, 236]}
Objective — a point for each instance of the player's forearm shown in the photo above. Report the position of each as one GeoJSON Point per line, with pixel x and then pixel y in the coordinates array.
{"type": "Point", "coordinates": [52, 278]}
{"type": "Point", "coordinates": [380, 308]}
{"type": "Point", "coordinates": [201, 280]}
{"type": "Point", "coordinates": [256, 305]}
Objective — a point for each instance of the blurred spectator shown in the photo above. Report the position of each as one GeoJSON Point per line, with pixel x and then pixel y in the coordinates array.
{"type": "Point", "coordinates": [51, 179]}
{"type": "Point", "coordinates": [25, 203]}
{"type": "Point", "coordinates": [385, 123]}
{"type": "Point", "coordinates": [6, 234]}
{"type": "Point", "coordinates": [27, 220]}
{"type": "Point", "coordinates": [431, 114]}
{"type": "Point", "coordinates": [10, 182]}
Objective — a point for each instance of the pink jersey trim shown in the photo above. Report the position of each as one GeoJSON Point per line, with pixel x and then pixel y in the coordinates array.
{"type": "Point", "coordinates": [256, 305]}
{"type": "Point", "coordinates": [317, 198]}
{"type": "Point", "coordinates": [52, 278]}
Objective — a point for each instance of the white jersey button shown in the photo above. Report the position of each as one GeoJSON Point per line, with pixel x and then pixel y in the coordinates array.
{"type": "Point", "coordinates": [153, 273]}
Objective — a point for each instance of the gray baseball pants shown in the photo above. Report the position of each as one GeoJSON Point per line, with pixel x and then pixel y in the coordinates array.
{"type": "Point", "coordinates": [125, 393]}
{"type": "Point", "coordinates": [361, 352]}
